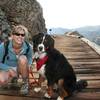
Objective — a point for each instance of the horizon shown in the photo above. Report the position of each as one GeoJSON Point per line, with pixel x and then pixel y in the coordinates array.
{"type": "Point", "coordinates": [83, 30]}
{"type": "Point", "coordinates": [79, 13]}
{"type": "Point", "coordinates": [74, 28]}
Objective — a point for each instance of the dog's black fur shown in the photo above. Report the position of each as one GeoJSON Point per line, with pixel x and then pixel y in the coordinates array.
{"type": "Point", "coordinates": [57, 69]}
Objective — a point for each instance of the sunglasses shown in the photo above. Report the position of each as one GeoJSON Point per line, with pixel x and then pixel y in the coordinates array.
{"type": "Point", "coordinates": [17, 34]}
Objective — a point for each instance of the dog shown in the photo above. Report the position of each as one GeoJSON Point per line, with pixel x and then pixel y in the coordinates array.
{"type": "Point", "coordinates": [53, 66]}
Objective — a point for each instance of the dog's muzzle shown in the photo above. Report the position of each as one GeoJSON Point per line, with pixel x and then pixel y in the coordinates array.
{"type": "Point", "coordinates": [41, 48]}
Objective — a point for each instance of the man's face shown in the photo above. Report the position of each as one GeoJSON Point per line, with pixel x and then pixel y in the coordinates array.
{"type": "Point", "coordinates": [19, 37]}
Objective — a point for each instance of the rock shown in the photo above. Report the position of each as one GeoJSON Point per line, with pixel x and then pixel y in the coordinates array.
{"type": "Point", "coordinates": [26, 12]}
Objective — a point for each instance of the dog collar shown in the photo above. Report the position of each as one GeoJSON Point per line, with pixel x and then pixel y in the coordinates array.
{"type": "Point", "coordinates": [40, 62]}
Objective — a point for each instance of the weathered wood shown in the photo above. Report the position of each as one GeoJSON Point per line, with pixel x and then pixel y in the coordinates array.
{"type": "Point", "coordinates": [86, 63]}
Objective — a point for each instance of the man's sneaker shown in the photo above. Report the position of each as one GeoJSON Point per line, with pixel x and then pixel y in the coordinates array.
{"type": "Point", "coordinates": [24, 89]}
{"type": "Point", "coordinates": [14, 80]}
{"type": "Point", "coordinates": [14, 83]}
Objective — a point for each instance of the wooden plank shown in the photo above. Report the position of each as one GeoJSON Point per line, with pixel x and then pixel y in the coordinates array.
{"type": "Point", "coordinates": [85, 71]}
{"type": "Point", "coordinates": [84, 62]}
{"type": "Point", "coordinates": [86, 96]}
{"type": "Point", "coordinates": [88, 76]}
{"type": "Point", "coordinates": [94, 84]}
{"type": "Point", "coordinates": [87, 66]}
{"type": "Point", "coordinates": [5, 97]}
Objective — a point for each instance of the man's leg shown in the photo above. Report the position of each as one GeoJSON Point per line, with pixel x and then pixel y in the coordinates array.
{"type": "Point", "coordinates": [23, 71]}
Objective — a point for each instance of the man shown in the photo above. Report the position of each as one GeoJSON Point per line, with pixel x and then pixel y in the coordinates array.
{"type": "Point", "coordinates": [17, 62]}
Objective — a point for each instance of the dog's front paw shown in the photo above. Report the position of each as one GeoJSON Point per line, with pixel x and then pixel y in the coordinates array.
{"type": "Point", "coordinates": [46, 95]}
{"type": "Point", "coordinates": [37, 89]}
{"type": "Point", "coordinates": [59, 98]}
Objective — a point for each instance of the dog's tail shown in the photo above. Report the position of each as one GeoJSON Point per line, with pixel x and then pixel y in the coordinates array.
{"type": "Point", "coordinates": [81, 84]}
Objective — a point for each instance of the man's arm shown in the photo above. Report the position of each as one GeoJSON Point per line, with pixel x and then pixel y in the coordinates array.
{"type": "Point", "coordinates": [2, 51]}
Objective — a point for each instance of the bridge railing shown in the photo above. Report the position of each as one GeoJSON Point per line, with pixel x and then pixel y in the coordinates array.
{"type": "Point", "coordinates": [92, 45]}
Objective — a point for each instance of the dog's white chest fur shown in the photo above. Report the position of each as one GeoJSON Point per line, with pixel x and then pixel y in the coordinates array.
{"type": "Point", "coordinates": [41, 71]}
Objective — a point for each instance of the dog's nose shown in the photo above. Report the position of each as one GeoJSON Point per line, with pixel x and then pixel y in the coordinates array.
{"type": "Point", "coordinates": [40, 48]}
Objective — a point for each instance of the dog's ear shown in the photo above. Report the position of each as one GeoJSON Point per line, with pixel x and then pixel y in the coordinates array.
{"type": "Point", "coordinates": [35, 37]}
{"type": "Point", "coordinates": [40, 33]}
{"type": "Point", "coordinates": [51, 42]}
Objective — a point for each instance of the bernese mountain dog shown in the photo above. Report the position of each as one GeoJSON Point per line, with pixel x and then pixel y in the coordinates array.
{"type": "Point", "coordinates": [53, 66]}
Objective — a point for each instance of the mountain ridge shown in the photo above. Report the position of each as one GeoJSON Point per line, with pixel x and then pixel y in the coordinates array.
{"type": "Point", "coordinates": [60, 30]}
{"type": "Point", "coordinates": [90, 32]}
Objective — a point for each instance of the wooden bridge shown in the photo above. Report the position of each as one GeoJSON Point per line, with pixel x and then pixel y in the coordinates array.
{"type": "Point", "coordinates": [86, 63]}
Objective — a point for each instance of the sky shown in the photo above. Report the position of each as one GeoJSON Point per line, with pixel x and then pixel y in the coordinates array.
{"type": "Point", "coordinates": [71, 13]}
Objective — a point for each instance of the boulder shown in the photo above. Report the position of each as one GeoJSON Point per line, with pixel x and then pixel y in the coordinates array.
{"type": "Point", "coordinates": [26, 12]}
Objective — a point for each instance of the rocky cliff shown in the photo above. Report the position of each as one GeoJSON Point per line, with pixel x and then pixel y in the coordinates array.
{"type": "Point", "coordinates": [25, 12]}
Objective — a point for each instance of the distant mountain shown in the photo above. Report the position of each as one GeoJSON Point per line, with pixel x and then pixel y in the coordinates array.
{"type": "Point", "coordinates": [57, 30]}
{"type": "Point", "coordinates": [90, 32]}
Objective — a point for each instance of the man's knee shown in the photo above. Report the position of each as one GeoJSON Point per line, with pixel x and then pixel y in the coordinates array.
{"type": "Point", "coordinates": [4, 76]}
{"type": "Point", "coordinates": [22, 60]}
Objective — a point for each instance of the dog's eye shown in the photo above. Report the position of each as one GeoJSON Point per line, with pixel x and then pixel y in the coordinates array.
{"type": "Point", "coordinates": [41, 38]}
{"type": "Point", "coordinates": [45, 40]}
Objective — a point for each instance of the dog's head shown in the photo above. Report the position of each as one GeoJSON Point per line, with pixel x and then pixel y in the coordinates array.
{"type": "Point", "coordinates": [42, 42]}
